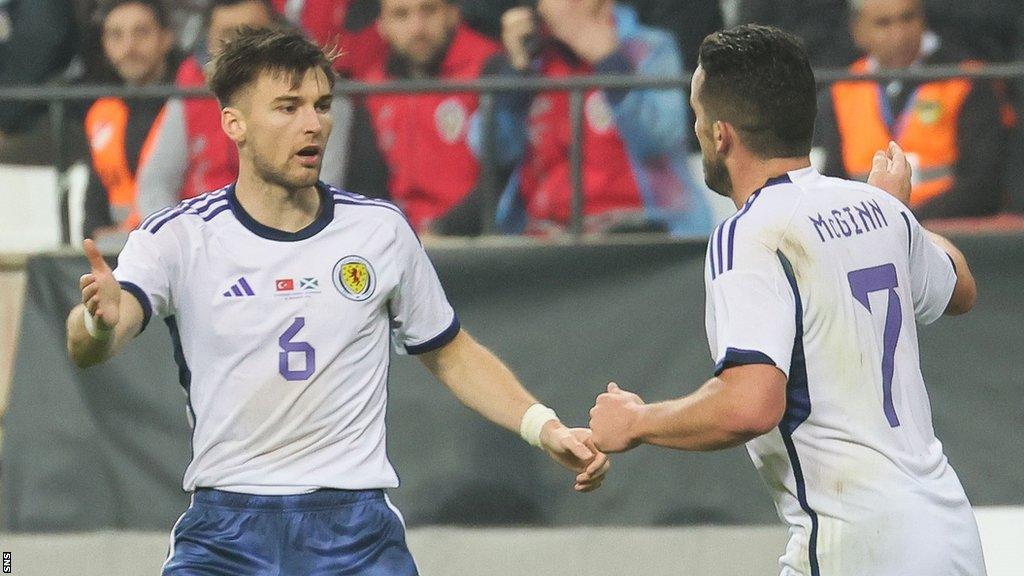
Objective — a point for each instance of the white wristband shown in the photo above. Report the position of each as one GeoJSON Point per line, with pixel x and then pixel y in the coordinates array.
{"type": "Point", "coordinates": [93, 327]}
{"type": "Point", "coordinates": [534, 419]}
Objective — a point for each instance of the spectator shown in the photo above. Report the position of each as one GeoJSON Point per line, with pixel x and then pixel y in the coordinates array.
{"type": "Point", "coordinates": [348, 24]}
{"type": "Point", "coordinates": [634, 166]}
{"type": "Point", "coordinates": [191, 154]}
{"type": "Point", "coordinates": [989, 29]}
{"type": "Point", "coordinates": [819, 23]}
{"type": "Point", "coordinates": [422, 137]}
{"type": "Point", "coordinates": [137, 43]}
{"type": "Point", "coordinates": [953, 130]}
{"type": "Point", "coordinates": [38, 39]}
{"type": "Point", "coordinates": [688, 20]}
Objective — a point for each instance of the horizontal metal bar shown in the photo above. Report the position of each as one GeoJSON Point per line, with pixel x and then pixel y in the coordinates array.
{"type": "Point", "coordinates": [506, 84]}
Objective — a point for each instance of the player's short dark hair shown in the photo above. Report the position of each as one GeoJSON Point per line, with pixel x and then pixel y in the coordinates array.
{"type": "Point", "coordinates": [252, 51]}
{"type": "Point", "coordinates": [758, 79]}
{"type": "Point", "coordinates": [157, 7]}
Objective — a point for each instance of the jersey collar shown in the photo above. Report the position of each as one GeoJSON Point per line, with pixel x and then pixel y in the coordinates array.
{"type": "Point", "coordinates": [323, 218]}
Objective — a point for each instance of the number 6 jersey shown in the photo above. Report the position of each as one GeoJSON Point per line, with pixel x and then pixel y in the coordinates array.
{"type": "Point", "coordinates": [282, 339]}
{"type": "Point", "coordinates": [826, 279]}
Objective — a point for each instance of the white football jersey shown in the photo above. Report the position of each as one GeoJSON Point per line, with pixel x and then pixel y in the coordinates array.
{"type": "Point", "coordinates": [282, 339]}
{"type": "Point", "coordinates": [827, 279]}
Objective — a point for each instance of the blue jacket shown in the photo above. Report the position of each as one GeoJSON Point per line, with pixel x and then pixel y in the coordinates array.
{"type": "Point", "coordinates": [653, 125]}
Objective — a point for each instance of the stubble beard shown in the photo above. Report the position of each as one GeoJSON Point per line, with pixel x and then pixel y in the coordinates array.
{"type": "Point", "coordinates": [307, 178]}
{"type": "Point", "coordinates": [717, 177]}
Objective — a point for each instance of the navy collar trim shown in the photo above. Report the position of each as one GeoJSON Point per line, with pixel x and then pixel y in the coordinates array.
{"type": "Point", "coordinates": [783, 179]}
{"type": "Point", "coordinates": [323, 218]}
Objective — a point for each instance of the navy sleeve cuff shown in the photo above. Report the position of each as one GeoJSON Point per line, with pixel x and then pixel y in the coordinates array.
{"type": "Point", "coordinates": [438, 341]}
{"type": "Point", "coordinates": [739, 357]}
{"type": "Point", "coordinates": [143, 298]}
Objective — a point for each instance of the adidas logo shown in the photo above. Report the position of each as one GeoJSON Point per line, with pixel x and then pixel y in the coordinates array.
{"type": "Point", "coordinates": [240, 288]}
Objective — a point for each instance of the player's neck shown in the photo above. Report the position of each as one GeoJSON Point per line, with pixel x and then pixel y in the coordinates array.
{"type": "Point", "coordinates": [750, 175]}
{"type": "Point", "coordinates": [275, 206]}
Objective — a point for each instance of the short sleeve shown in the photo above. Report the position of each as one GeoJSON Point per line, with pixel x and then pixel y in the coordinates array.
{"type": "Point", "coordinates": [932, 273]}
{"type": "Point", "coordinates": [142, 270]}
{"type": "Point", "coordinates": [422, 320]}
{"type": "Point", "coordinates": [752, 309]}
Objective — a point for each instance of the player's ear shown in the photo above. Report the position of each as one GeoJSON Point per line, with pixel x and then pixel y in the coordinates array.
{"type": "Point", "coordinates": [232, 121]}
{"type": "Point", "coordinates": [722, 134]}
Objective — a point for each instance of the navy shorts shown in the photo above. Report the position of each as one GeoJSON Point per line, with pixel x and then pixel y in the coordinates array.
{"type": "Point", "coordinates": [336, 532]}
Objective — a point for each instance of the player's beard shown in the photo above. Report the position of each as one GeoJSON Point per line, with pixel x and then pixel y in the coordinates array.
{"type": "Point", "coordinates": [281, 177]}
{"type": "Point", "coordinates": [716, 175]}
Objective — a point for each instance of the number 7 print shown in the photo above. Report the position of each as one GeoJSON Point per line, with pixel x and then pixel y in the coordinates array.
{"type": "Point", "coordinates": [862, 283]}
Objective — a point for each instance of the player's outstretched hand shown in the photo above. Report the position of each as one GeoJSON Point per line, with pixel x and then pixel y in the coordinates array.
{"type": "Point", "coordinates": [574, 449]}
{"type": "Point", "coordinates": [613, 419]}
{"type": "Point", "coordinates": [891, 172]}
{"type": "Point", "coordinates": [101, 293]}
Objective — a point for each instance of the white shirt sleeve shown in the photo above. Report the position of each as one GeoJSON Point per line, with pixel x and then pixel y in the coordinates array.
{"type": "Point", "coordinates": [422, 320]}
{"type": "Point", "coordinates": [752, 309]}
{"type": "Point", "coordinates": [142, 269]}
{"type": "Point", "coordinates": [932, 274]}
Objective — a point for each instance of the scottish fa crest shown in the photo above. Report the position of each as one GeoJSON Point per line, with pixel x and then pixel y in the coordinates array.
{"type": "Point", "coordinates": [354, 278]}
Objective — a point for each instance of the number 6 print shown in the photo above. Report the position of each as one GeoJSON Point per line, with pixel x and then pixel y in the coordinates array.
{"type": "Point", "coordinates": [863, 282]}
{"type": "Point", "coordinates": [288, 346]}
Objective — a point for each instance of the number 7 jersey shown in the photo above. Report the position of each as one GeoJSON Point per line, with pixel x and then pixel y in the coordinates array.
{"type": "Point", "coordinates": [282, 339]}
{"type": "Point", "coordinates": [827, 279]}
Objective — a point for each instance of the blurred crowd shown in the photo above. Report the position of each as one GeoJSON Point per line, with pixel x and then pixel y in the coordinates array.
{"type": "Point", "coordinates": [423, 151]}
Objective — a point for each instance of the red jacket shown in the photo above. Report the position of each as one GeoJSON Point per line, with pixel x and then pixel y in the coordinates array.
{"type": "Point", "coordinates": [423, 136]}
{"type": "Point", "coordinates": [212, 156]}
{"type": "Point", "coordinates": [609, 183]}
{"type": "Point", "coordinates": [324, 21]}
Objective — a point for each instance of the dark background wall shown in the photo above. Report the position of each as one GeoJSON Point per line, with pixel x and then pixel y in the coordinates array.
{"type": "Point", "coordinates": [106, 447]}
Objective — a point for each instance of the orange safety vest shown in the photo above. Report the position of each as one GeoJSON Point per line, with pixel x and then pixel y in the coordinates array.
{"type": "Point", "coordinates": [927, 128]}
{"type": "Point", "coordinates": [105, 126]}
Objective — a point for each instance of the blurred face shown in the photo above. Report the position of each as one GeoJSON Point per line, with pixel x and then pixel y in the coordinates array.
{"type": "Point", "coordinates": [283, 128]}
{"type": "Point", "coordinates": [135, 44]}
{"type": "Point", "coordinates": [418, 30]}
{"type": "Point", "coordinates": [591, 7]}
{"type": "Point", "coordinates": [226, 19]}
{"type": "Point", "coordinates": [890, 31]}
{"type": "Point", "coordinates": [716, 175]}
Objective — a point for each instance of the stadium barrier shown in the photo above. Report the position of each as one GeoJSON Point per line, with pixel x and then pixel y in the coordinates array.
{"type": "Point", "coordinates": [104, 448]}
{"type": "Point", "coordinates": [58, 97]}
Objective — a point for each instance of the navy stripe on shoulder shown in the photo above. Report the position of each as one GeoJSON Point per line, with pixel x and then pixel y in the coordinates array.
{"type": "Point", "coordinates": [213, 213]}
{"type": "Point", "coordinates": [351, 202]}
{"type": "Point", "coordinates": [732, 225]}
{"type": "Point", "coordinates": [343, 195]}
{"type": "Point", "coordinates": [155, 215]}
{"type": "Point", "coordinates": [193, 205]}
{"type": "Point", "coordinates": [718, 253]}
{"type": "Point", "coordinates": [910, 235]}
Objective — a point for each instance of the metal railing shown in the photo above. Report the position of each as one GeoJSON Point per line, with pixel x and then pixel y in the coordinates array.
{"type": "Point", "coordinates": [57, 98]}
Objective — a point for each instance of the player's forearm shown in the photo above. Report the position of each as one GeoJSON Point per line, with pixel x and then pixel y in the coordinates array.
{"type": "Point", "coordinates": [708, 419]}
{"type": "Point", "coordinates": [481, 381]}
{"type": "Point", "coordinates": [86, 350]}
{"type": "Point", "coordinates": [965, 293]}
{"type": "Point", "coordinates": [83, 349]}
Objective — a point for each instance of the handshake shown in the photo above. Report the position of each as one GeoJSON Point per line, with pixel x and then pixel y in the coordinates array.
{"type": "Point", "coordinates": [613, 428]}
